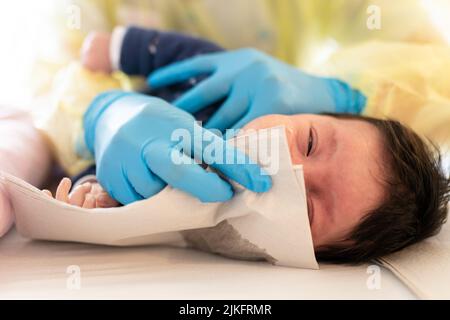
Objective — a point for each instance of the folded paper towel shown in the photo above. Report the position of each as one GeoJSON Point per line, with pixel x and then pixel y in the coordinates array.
{"type": "Point", "coordinates": [272, 226]}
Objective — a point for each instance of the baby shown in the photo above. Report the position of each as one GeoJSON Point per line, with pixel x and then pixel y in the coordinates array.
{"type": "Point", "coordinates": [373, 186]}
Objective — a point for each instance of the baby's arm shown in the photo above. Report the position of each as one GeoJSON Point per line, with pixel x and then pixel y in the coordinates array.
{"type": "Point", "coordinates": [137, 51]}
{"type": "Point", "coordinates": [88, 195]}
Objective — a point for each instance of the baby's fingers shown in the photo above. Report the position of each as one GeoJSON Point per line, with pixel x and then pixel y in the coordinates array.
{"type": "Point", "coordinates": [78, 195]}
{"type": "Point", "coordinates": [62, 192]}
{"type": "Point", "coordinates": [105, 201]}
{"type": "Point", "coordinates": [89, 201]}
{"type": "Point", "coordinates": [47, 193]}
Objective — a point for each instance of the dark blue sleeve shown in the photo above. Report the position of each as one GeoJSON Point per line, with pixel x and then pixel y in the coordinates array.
{"type": "Point", "coordinates": [145, 50]}
{"type": "Point", "coordinates": [89, 171]}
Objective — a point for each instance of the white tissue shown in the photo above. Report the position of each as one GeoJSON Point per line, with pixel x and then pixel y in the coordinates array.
{"type": "Point", "coordinates": [275, 222]}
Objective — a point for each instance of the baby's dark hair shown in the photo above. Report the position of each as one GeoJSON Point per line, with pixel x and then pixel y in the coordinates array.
{"type": "Point", "coordinates": [418, 192]}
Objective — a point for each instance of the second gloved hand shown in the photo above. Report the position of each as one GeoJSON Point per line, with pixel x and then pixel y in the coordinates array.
{"type": "Point", "coordinates": [254, 84]}
{"type": "Point", "coordinates": [136, 142]}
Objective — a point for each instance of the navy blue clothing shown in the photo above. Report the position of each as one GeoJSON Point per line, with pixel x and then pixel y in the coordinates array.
{"type": "Point", "coordinates": [146, 50]}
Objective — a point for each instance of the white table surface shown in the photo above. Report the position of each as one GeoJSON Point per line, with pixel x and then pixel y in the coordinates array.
{"type": "Point", "coordinates": [37, 269]}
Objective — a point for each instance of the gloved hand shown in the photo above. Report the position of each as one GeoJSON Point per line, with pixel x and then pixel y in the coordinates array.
{"type": "Point", "coordinates": [137, 150]}
{"type": "Point", "coordinates": [254, 84]}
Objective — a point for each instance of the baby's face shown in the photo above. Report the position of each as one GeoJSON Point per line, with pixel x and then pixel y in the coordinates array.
{"type": "Point", "coordinates": [342, 165]}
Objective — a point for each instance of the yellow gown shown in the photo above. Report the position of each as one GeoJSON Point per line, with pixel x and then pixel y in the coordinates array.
{"type": "Point", "coordinates": [291, 30]}
{"type": "Point", "coordinates": [403, 81]}
{"type": "Point", "coordinates": [404, 76]}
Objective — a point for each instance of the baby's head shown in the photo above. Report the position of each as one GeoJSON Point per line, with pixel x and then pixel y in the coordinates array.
{"type": "Point", "coordinates": [373, 186]}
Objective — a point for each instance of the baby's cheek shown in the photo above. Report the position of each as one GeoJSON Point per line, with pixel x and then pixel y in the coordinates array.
{"type": "Point", "coordinates": [319, 235]}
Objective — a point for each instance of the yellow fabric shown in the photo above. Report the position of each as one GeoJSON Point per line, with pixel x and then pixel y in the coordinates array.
{"type": "Point", "coordinates": [407, 82]}
{"type": "Point", "coordinates": [403, 81]}
{"type": "Point", "coordinates": [73, 90]}
{"type": "Point", "coordinates": [291, 30]}
{"type": "Point", "coordinates": [300, 32]}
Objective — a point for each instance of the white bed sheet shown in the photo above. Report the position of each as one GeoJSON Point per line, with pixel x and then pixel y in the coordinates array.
{"type": "Point", "coordinates": [37, 269]}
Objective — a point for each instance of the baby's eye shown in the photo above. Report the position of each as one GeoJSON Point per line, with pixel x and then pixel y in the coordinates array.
{"type": "Point", "coordinates": [310, 142]}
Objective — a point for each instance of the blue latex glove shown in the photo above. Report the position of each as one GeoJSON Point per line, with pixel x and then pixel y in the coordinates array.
{"type": "Point", "coordinates": [254, 84]}
{"type": "Point", "coordinates": [131, 137]}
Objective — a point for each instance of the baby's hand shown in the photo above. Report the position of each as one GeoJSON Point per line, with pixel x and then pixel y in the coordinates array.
{"type": "Point", "coordinates": [89, 195]}
{"type": "Point", "coordinates": [95, 52]}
